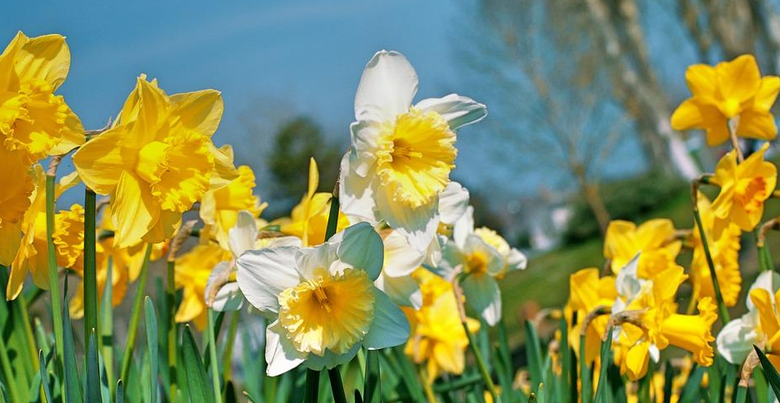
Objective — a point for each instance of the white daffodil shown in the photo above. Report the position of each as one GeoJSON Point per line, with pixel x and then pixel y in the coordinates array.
{"type": "Point", "coordinates": [401, 155]}
{"type": "Point", "coordinates": [482, 261]}
{"type": "Point", "coordinates": [735, 341]}
{"type": "Point", "coordinates": [323, 301]}
{"type": "Point", "coordinates": [222, 292]}
{"type": "Point", "coordinates": [401, 260]}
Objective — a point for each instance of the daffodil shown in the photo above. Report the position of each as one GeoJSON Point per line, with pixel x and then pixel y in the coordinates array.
{"type": "Point", "coordinates": [219, 207]}
{"type": "Point", "coordinates": [400, 262]}
{"type": "Point", "coordinates": [731, 90]}
{"type": "Point", "coordinates": [654, 238]}
{"type": "Point", "coordinates": [587, 292]}
{"type": "Point", "coordinates": [34, 121]}
{"type": "Point", "coordinates": [31, 255]}
{"type": "Point", "coordinates": [724, 250]}
{"type": "Point", "coordinates": [17, 184]}
{"type": "Point", "coordinates": [766, 305]}
{"type": "Point", "coordinates": [658, 325]}
{"type": "Point", "coordinates": [735, 341]}
{"type": "Point", "coordinates": [322, 300]}
{"type": "Point", "coordinates": [401, 155]}
{"type": "Point", "coordinates": [481, 264]}
{"type": "Point", "coordinates": [157, 162]}
{"type": "Point", "coordinates": [192, 272]}
{"type": "Point", "coordinates": [743, 189]}
{"type": "Point", "coordinates": [309, 219]}
{"type": "Point", "coordinates": [110, 265]}
{"type": "Point", "coordinates": [437, 337]}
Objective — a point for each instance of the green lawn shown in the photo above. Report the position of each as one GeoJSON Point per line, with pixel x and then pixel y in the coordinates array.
{"type": "Point", "coordinates": [545, 283]}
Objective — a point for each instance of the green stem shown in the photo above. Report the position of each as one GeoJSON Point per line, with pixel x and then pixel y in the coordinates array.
{"type": "Point", "coordinates": [90, 265]}
{"type": "Point", "coordinates": [10, 381]}
{"type": "Point", "coordinates": [724, 313]}
{"type": "Point", "coordinates": [54, 283]}
{"type": "Point", "coordinates": [170, 296]}
{"type": "Point", "coordinates": [337, 385]}
{"type": "Point", "coordinates": [491, 387]}
{"type": "Point", "coordinates": [22, 308]}
{"type": "Point", "coordinates": [227, 355]}
{"type": "Point", "coordinates": [333, 217]}
{"type": "Point", "coordinates": [127, 357]}
{"type": "Point", "coordinates": [312, 386]}
{"type": "Point", "coordinates": [586, 390]}
{"type": "Point", "coordinates": [213, 356]}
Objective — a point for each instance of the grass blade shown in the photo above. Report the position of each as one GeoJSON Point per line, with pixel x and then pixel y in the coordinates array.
{"type": "Point", "coordinates": [106, 332]}
{"type": "Point", "coordinates": [534, 351]}
{"type": "Point", "coordinates": [197, 379]}
{"type": "Point", "coordinates": [372, 388]}
{"type": "Point", "coordinates": [93, 371]}
{"type": "Point", "coordinates": [72, 382]}
{"type": "Point", "coordinates": [692, 388]}
{"type": "Point", "coordinates": [132, 331]}
{"type": "Point", "coordinates": [44, 377]}
{"type": "Point", "coordinates": [602, 389]}
{"type": "Point", "coordinates": [770, 372]}
{"type": "Point", "coordinates": [120, 392]}
{"type": "Point", "coordinates": [152, 342]}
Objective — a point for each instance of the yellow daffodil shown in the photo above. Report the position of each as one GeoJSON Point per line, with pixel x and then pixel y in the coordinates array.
{"type": "Point", "coordinates": [731, 90]}
{"type": "Point", "coordinates": [660, 326]}
{"type": "Point", "coordinates": [743, 189]}
{"type": "Point", "coordinates": [157, 162]}
{"type": "Point", "coordinates": [31, 255]}
{"type": "Point", "coordinates": [724, 249]}
{"type": "Point", "coordinates": [586, 293]}
{"type": "Point", "coordinates": [654, 238]}
{"type": "Point", "coordinates": [34, 121]}
{"type": "Point", "coordinates": [17, 184]}
{"type": "Point", "coordinates": [437, 337]}
{"type": "Point", "coordinates": [309, 218]}
{"type": "Point", "coordinates": [766, 305]}
{"type": "Point", "coordinates": [219, 207]}
{"type": "Point", "coordinates": [322, 301]}
{"type": "Point", "coordinates": [192, 273]}
{"type": "Point", "coordinates": [401, 155]}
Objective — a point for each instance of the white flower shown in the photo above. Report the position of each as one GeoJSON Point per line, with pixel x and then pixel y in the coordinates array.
{"type": "Point", "coordinates": [735, 341]}
{"type": "Point", "coordinates": [401, 260]}
{"type": "Point", "coordinates": [401, 154]}
{"type": "Point", "coordinates": [322, 300]}
{"type": "Point", "coordinates": [483, 256]}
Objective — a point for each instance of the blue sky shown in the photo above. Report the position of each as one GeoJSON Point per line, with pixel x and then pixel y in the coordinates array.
{"type": "Point", "coordinates": [306, 56]}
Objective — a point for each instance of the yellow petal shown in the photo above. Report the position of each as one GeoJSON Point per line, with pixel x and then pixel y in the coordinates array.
{"type": "Point", "coordinates": [44, 58]}
{"type": "Point", "coordinates": [687, 116]}
{"type": "Point", "coordinates": [102, 160]}
{"type": "Point", "coordinates": [199, 111]}
{"type": "Point", "coordinates": [702, 80]}
{"type": "Point", "coordinates": [10, 238]}
{"type": "Point", "coordinates": [224, 170]}
{"type": "Point", "coordinates": [133, 210]}
{"type": "Point", "coordinates": [766, 311]}
{"type": "Point", "coordinates": [72, 134]}
{"type": "Point", "coordinates": [164, 228]}
{"type": "Point", "coordinates": [739, 79]}
{"type": "Point", "coordinates": [767, 94]}
{"type": "Point", "coordinates": [756, 124]}
{"type": "Point", "coordinates": [637, 359]}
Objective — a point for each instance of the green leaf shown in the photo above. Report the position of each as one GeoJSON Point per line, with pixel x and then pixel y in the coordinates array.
{"type": "Point", "coordinates": [72, 382]}
{"type": "Point", "coordinates": [152, 341]}
{"type": "Point", "coordinates": [372, 388]}
{"type": "Point", "coordinates": [602, 389]}
{"type": "Point", "coordinates": [93, 374]}
{"type": "Point", "coordinates": [106, 326]}
{"type": "Point", "coordinates": [230, 393]}
{"type": "Point", "coordinates": [770, 372]}
{"type": "Point", "coordinates": [120, 392]}
{"type": "Point", "coordinates": [197, 379]}
{"type": "Point", "coordinates": [692, 388]}
{"type": "Point", "coordinates": [44, 378]}
{"type": "Point", "coordinates": [534, 351]}
{"type": "Point", "coordinates": [90, 264]}
{"type": "Point", "coordinates": [585, 374]}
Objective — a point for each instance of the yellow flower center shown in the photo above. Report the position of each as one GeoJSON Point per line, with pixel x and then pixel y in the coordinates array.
{"type": "Point", "coordinates": [329, 311]}
{"type": "Point", "coordinates": [476, 263]}
{"type": "Point", "coordinates": [32, 119]}
{"type": "Point", "coordinates": [69, 238]}
{"type": "Point", "coordinates": [417, 153]}
{"type": "Point", "coordinates": [751, 193]}
{"type": "Point", "coordinates": [177, 169]}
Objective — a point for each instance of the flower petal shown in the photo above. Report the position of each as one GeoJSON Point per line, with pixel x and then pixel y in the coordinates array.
{"type": "Point", "coordinates": [356, 194]}
{"type": "Point", "coordinates": [101, 161]}
{"type": "Point", "coordinates": [463, 227]}
{"type": "Point", "coordinates": [133, 210]}
{"type": "Point", "coordinates": [280, 354]}
{"type": "Point", "coordinates": [735, 341]}
{"type": "Point", "coordinates": [453, 202]}
{"type": "Point", "coordinates": [361, 247]}
{"type": "Point", "coordinates": [483, 294]}
{"type": "Point", "coordinates": [243, 236]}
{"type": "Point", "coordinates": [687, 115]}
{"type": "Point", "coordinates": [739, 78]}
{"type": "Point", "coordinates": [765, 99]}
{"type": "Point", "coordinates": [457, 110]}
{"type": "Point", "coordinates": [389, 327]}
{"type": "Point", "coordinates": [199, 111]}
{"type": "Point", "coordinates": [757, 124]}
{"type": "Point", "coordinates": [386, 88]}
{"type": "Point", "coordinates": [404, 291]}
{"type": "Point", "coordinates": [400, 258]}
{"type": "Point", "coordinates": [263, 274]}
{"type": "Point", "coordinates": [45, 58]}
{"type": "Point", "coordinates": [768, 280]}
{"type": "Point", "coordinates": [310, 259]}
{"type": "Point", "coordinates": [417, 225]}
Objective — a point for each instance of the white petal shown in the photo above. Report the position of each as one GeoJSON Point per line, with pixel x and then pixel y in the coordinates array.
{"type": "Point", "coordinates": [457, 110]}
{"type": "Point", "coordinates": [356, 195]}
{"type": "Point", "coordinates": [735, 341]}
{"type": "Point", "coordinates": [263, 274]}
{"type": "Point", "coordinates": [475, 244]}
{"type": "Point", "coordinates": [516, 260]}
{"type": "Point", "coordinates": [463, 227]}
{"type": "Point", "coordinates": [320, 256]}
{"type": "Point", "coordinates": [452, 258]}
{"type": "Point", "coordinates": [244, 234]}
{"type": "Point", "coordinates": [453, 201]}
{"type": "Point", "coordinates": [361, 247]}
{"type": "Point", "coordinates": [483, 294]}
{"type": "Point", "coordinates": [331, 360]}
{"type": "Point", "coordinates": [387, 87]}
{"type": "Point", "coordinates": [279, 242]}
{"type": "Point", "coordinates": [229, 298]}
{"type": "Point", "coordinates": [768, 280]}
{"type": "Point", "coordinates": [365, 137]}
{"type": "Point", "coordinates": [280, 354]}
{"type": "Point", "coordinates": [389, 327]}
{"type": "Point", "coordinates": [417, 225]}
{"type": "Point", "coordinates": [627, 283]}
{"type": "Point", "coordinates": [400, 258]}
{"type": "Point", "coordinates": [404, 291]}
{"type": "Point", "coordinates": [655, 353]}
{"type": "Point", "coordinates": [433, 254]}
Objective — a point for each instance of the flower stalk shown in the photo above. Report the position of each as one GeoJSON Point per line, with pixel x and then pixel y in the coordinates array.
{"type": "Point", "coordinates": [54, 283]}
{"type": "Point", "coordinates": [90, 264]}
{"type": "Point", "coordinates": [132, 333]}
{"type": "Point", "coordinates": [213, 357]}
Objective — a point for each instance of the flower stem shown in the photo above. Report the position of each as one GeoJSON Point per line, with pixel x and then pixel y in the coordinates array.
{"type": "Point", "coordinates": [337, 385]}
{"type": "Point", "coordinates": [730, 124]}
{"type": "Point", "coordinates": [213, 357]}
{"type": "Point", "coordinates": [127, 357]}
{"type": "Point", "coordinates": [227, 355]}
{"type": "Point", "coordinates": [427, 386]}
{"type": "Point", "coordinates": [90, 265]}
{"type": "Point", "coordinates": [724, 313]}
{"type": "Point", "coordinates": [11, 382]}
{"type": "Point", "coordinates": [54, 283]}
{"type": "Point", "coordinates": [170, 297]}
{"type": "Point", "coordinates": [312, 386]}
